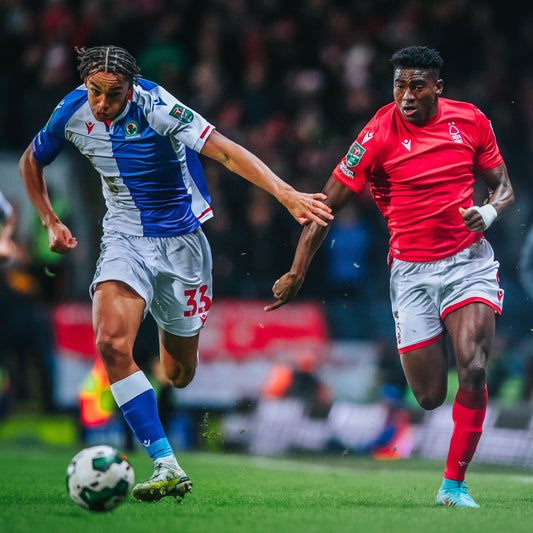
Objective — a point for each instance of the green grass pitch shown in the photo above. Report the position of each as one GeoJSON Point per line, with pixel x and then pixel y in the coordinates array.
{"type": "Point", "coordinates": [242, 494]}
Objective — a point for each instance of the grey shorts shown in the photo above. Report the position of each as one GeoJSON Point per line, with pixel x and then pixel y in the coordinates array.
{"type": "Point", "coordinates": [171, 274]}
{"type": "Point", "coordinates": [423, 294]}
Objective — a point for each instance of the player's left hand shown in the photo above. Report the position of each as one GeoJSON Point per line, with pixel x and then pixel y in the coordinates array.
{"type": "Point", "coordinates": [305, 208]}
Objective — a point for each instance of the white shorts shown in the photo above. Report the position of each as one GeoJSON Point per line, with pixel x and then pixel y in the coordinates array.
{"type": "Point", "coordinates": [171, 274]}
{"type": "Point", "coordinates": [423, 294]}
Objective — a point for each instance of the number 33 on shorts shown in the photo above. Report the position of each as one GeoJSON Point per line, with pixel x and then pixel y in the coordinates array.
{"type": "Point", "coordinates": [197, 302]}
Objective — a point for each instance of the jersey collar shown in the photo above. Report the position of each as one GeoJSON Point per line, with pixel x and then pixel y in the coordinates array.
{"type": "Point", "coordinates": [123, 114]}
{"type": "Point", "coordinates": [428, 122]}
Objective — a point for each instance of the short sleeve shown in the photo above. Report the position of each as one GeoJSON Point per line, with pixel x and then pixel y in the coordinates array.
{"type": "Point", "coordinates": [170, 117]}
{"type": "Point", "coordinates": [487, 154]}
{"type": "Point", "coordinates": [49, 142]}
{"type": "Point", "coordinates": [355, 168]}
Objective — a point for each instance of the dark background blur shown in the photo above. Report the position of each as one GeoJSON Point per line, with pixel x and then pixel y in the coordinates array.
{"type": "Point", "coordinates": [294, 82]}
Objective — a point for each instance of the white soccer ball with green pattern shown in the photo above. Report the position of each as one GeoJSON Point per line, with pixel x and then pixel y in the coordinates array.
{"type": "Point", "coordinates": [99, 478]}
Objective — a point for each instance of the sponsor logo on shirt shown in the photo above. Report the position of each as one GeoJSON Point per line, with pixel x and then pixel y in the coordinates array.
{"type": "Point", "coordinates": [90, 126]}
{"type": "Point", "coordinates": [159, 101]}
{"type": "Point", "coordinates": [57, 108]}
{"type": "Point", "coordinates": [407, 144]}
{"type": "Point", "coordinates": [131, 130]}
{"type": "Point", "coordinates": [367, 137]}
{"type": "Point", "coordinates": [455, 133]}
{"type": "Point", "coordinates": [354, 154]}
{"type": "Point", "coordinates": [346, 171]}
{"type": "Point", "coordinates": [183, 114]}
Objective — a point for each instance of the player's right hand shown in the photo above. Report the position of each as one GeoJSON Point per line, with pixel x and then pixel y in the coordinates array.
{"type": "Point", "coordinates": [308, 207]}
{"type": "Point", "coordinates": [60, 238]}
{"type": "Point", "coordinates": [285, 289]}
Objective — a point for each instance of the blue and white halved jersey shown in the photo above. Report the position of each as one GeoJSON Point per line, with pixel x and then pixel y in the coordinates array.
{"type": "Point", "coordinates": [152, 179]}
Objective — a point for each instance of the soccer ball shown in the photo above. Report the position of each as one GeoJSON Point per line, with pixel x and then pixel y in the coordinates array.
{"type": "Point", "coordinates": [99, 478]}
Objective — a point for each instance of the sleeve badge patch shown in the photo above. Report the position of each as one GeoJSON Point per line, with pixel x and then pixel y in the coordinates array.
{"type": "Point", "coordinates": [354, 154]}
{"type": "Point", "coordinates": [183, 114]}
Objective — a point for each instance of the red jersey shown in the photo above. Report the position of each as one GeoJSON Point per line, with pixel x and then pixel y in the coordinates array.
{"type": "Point", "coordinates": [421, 175]}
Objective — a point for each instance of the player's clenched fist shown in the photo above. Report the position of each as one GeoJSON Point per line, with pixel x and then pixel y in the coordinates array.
{"type": "Point", "coordinates": [60, 239]}
{"type": "Point", "coordinates": [285, 289]}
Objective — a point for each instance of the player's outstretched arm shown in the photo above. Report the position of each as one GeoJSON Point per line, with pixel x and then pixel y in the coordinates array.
{"type": "Point", "coordinates": [31, 172]}
{"type": "Point", "coordinates": [286, 288]}
{"type": "Point", "coordinates": [304, 207]}
{"type": "Point", "coordinates": [501, 196]}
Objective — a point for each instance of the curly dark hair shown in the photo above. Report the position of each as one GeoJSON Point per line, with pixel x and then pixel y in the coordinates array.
{"type": "Point", "coordinates": [420, 57]}
{"type": "Point", "coordinates": [111, 59]}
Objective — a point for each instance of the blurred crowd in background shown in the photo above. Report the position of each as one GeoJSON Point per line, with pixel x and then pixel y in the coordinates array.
{"type": "Point", "coordinates": [294, 82]}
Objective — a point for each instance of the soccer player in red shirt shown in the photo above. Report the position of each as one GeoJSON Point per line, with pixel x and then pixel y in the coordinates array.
{"type": "Point", "coordinates": [420, 155]}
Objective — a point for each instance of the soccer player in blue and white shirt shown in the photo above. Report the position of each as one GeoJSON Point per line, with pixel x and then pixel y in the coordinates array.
{"type": "Point", "coordinates": [154, 256]}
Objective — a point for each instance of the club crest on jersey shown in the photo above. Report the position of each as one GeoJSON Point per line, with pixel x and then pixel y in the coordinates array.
{"type": "Point", "coordinates": [455, 133]}
{"type": "Point", "coordinates": [131, 129]}
{"type": "Point", "coordinates": [354, 154]}
{"type": "Point", "coordinates": [183, 114]}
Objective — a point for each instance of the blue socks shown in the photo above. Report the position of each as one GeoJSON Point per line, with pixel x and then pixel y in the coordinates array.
{"type": "Point", "coordinates": [136, 399]}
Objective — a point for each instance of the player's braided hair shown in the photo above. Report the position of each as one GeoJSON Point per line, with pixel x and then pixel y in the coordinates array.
{"type": "Point", "coordinates": [420, 57]}
{"type": "Point", "coordinates": [111, 59]}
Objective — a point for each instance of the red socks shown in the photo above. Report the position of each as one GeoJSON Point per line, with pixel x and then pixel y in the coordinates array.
{"type": "Point", "coordinates": [468, 415]}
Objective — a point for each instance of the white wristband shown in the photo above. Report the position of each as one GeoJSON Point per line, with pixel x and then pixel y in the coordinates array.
{"type": "Point", "coordinates": [488, 214]}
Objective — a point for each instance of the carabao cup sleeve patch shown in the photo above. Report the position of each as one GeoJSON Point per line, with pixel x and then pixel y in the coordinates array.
{"type": "Point", "coordinates": [183, 114]}
{"type": "Point", "coordinates": [354, 154]}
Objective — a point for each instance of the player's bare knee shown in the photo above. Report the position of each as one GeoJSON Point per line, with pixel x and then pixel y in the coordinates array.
{"type": "Point", "coordinates": [428, 403]}
{"type": "Point", "coordinates": [182, 377]}
{"type": "Point", "coordinates": [110, 348]}
{"type": "Point", "coordinates": [104, 346]}
{"type": "Point", "coordinates": [181, 381]}
{"type": "Point", "coordinates": [475, 378]}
